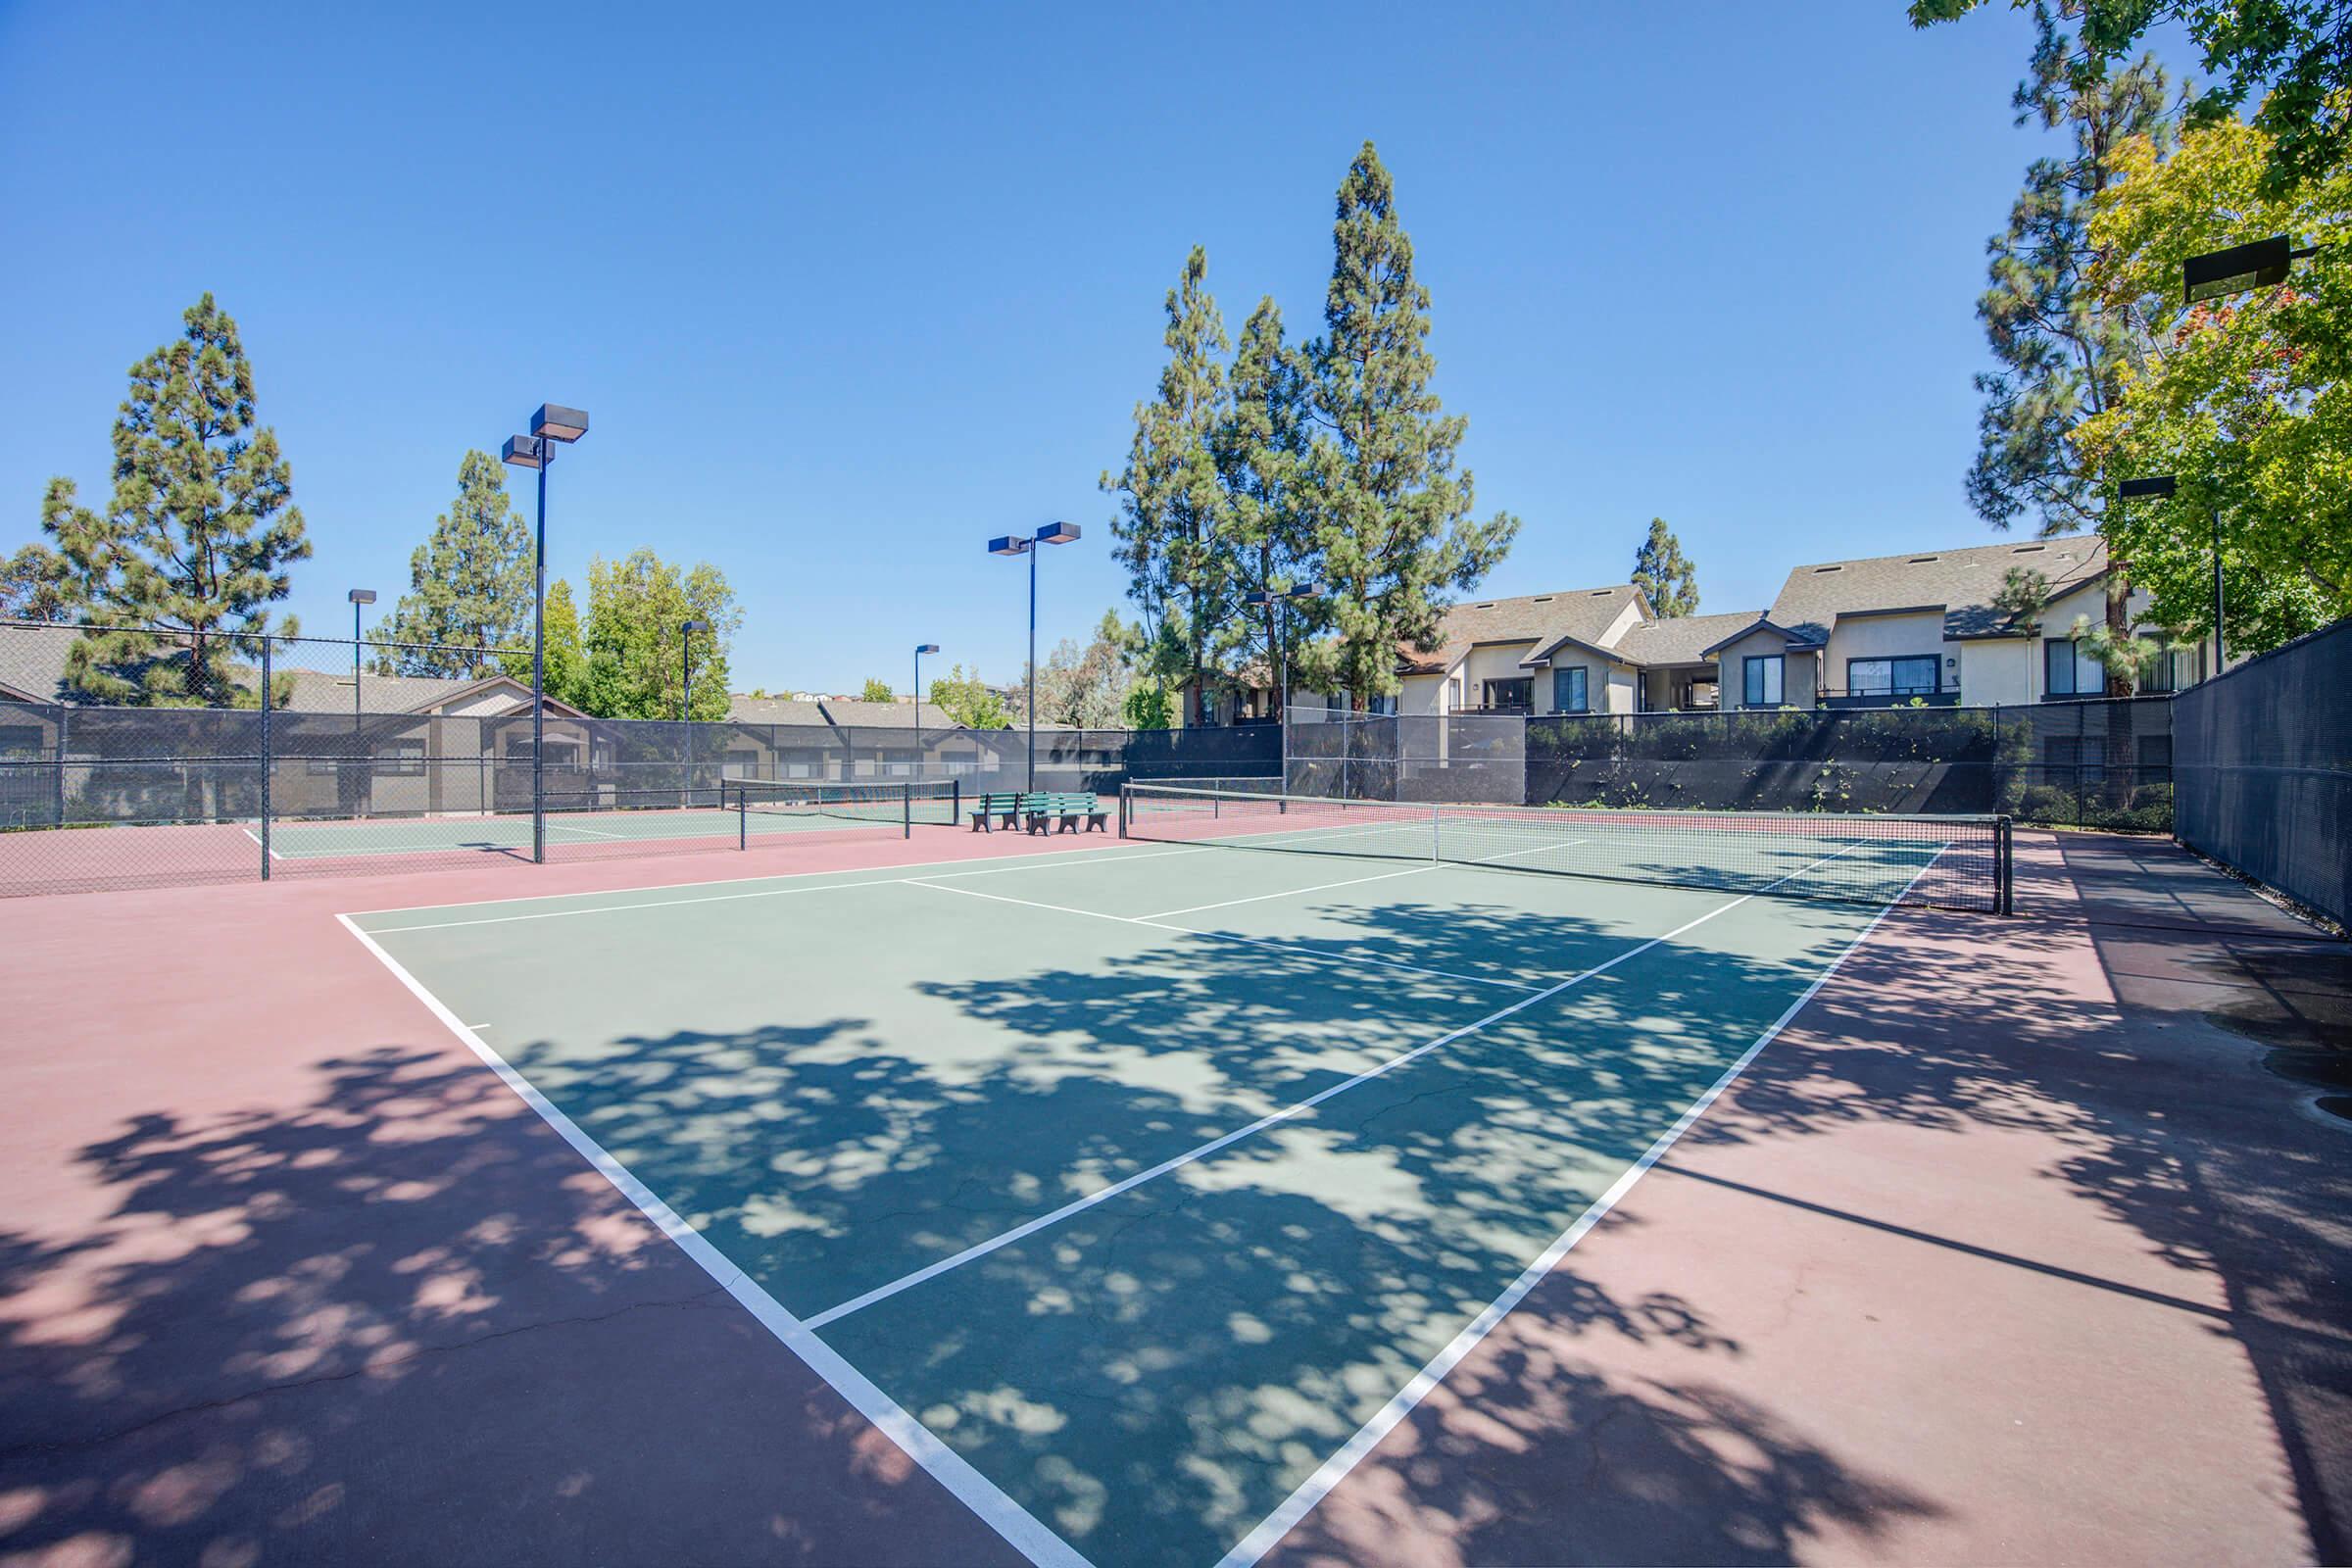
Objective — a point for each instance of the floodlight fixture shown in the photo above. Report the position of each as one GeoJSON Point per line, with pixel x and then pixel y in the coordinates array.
{"type": "Point", "coordinates": [2154, 487]}
{"type": "Point", "coordinates": [521, 452]}
{"type": "Point", "coordinates": [2257, 263]}
{"type": "Point", "coordinates": [555, 423]}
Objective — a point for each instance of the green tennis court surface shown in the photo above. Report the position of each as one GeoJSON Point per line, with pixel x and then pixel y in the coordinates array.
{"type": "Point", "coordinates": [1133, 1192]}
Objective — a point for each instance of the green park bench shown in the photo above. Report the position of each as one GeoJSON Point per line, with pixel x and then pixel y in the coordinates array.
{"type": "Point", "coordinates": [1067, 809]}
{"type": "Point", "coordinates": [991, 812]}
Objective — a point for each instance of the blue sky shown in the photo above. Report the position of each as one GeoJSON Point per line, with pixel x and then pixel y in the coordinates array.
{"type": "Point", "coordinates": [847, 293]}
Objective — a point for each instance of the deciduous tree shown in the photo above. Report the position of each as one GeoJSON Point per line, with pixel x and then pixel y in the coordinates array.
{"type": "Point", "coordinates": [636, 644]}
{"type": "Point", "coordinates": [969, 701]}
{"type": "Point", "coordinates": [876, 690]}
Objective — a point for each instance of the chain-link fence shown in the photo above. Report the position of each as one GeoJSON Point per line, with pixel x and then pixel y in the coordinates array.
{"type": "Point", "coordinates": [2265, 761]}
{"type": "Point", "coordinates": [152, 758]}
{"type": "Point", "coordinates": [2093, 763]}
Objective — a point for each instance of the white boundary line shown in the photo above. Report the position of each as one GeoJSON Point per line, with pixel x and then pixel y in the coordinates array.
{"type": "Point", "coordinates": [1288, 892]}
{"type": "Point", "coordinates": [1019, 1527]}
{"type": "Point", "coordinates": [979, 1250]}
{"type": "Point", "coordinates": [715, 897]}
{"type": "Point", "coordinates": [1092, 853]}
{"type": "Point", "coordinates": [1335, 1469]}
{"type": "Point", "coordinates": [1319, 954]}
{"type": "Point", "coordinates": [257, 840]}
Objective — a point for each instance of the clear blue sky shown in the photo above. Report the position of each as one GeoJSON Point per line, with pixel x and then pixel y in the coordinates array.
{"type": "Point", "coordinates": [847, 290]}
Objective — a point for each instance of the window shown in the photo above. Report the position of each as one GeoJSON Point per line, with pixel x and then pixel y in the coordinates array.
{"type": "Point", "coordinates": [1569, 691]}
{"type": "Point", "coordinates": [1761, 680]}
{"type": "Point", "coordinates": [1453, 695]}
{"type": "Point", "coordinates": [400, 759]}
{"type": "Point", "coordinates": [2069, 671]}
{"type": "Point", "coordinates": [1381, 704]}
{"type": "Point", "coordinates": [1509, 694]}
{"type": "Point", "coordinates": [1910, 676]}
{"type": "Point", "coordinates": [2176, 668]}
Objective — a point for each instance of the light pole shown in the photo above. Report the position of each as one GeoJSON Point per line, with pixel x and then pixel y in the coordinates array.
{"type": "Point", "coordinates": [920, 648]}
{"type": "Point", "coordinates": [358, 596]}
{"type": "Point", "coordinates": [1013, 544]}
{"type": "Point", "coordinates": [1267, 599]}
{"type": "Point", "coordinates": [551, 424]}
{"type": "Point", "coordinates": [2160, 487]}
{"type": "Point", "coordinates": [686, 664]}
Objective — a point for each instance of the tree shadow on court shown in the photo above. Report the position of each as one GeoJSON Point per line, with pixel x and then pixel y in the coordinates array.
{"type": "Point", "coordinates": [2133, 1050]}
{"type": "Point", "coordinates": [404, 1322]}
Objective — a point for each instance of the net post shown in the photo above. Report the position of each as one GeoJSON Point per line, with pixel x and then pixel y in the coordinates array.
{"type": "Point", "coordinates": [1434, 820]}
{"type": "Point", "coordinates": [743, 814]}
{"type": "Point", "coordinates": [906, 810]}
{"type": "Point", "coordinates": [266, 756]}
{"type": "Point", "coordinates": [1126, 807]}
{"type": "Point", "coordinates": [2004, 866]}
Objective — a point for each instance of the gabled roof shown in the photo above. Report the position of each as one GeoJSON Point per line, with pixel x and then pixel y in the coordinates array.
{"type": "Point", "coordinates": [1678, 639]}
{"type": "Point", "coordinates": [1583, 614]}
{"type": "Point", "coordinates": [1758, 622]}
{"type": "Point", "coordinates": [1962, 583]}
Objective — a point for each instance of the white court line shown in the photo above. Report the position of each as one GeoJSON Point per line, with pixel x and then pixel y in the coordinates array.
{"type": "Point", "coordinates": [1019, 1527]}
{"type": "Point", "coordinates": [257, 839]}
{"type": "Point", "coordinates": [982, 1248]}
{"type": "Point", "coordinates": [1278, 1524]}
{"type": "Point", "coordinates": [715, 897]}
{"type": "Point", "coordinates": [1287, 893]}
{"type": "Point", "coordinates": [1340, 959]}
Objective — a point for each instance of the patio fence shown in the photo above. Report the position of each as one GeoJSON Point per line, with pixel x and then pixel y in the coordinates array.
{"type": "Point", "coordinates": [2266, 769]}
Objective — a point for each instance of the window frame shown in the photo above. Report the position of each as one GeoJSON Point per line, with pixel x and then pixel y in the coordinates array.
{"type": "Point", "coordinates": [1894, 686]}
{"type": "Point", "coordinates": [1752, 668]}
{"type": "Point", "coordinates": [1578, 678]}
{"type": "Point", "coordinates": [2076, 662]}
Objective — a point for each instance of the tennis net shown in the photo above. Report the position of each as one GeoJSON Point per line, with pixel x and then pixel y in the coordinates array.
{"type": "Point", "coordinates": [1951, 861]}
{"type": "Point", "coordinates": [901, 803]}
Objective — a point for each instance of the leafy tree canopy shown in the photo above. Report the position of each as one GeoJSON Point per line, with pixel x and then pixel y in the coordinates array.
{"type": "Point", "coordinates": [469, 584]}
{"type": "Point", "coordinates": [876, 690]}
{"type": "Point", "coordinates": [2292, 56]}
{"type": "Point", "coordinates": [195, 543]}
{"type": "Point", "coordinates": [2244, 401]}
{"type": "Point", "coordinates": [1664, 574]}
{"type": "Point", "coordinates": [637, 651]}
{"type": "Point", "coordinates": [35, 585]}
{"type": "Point", "coordinates": [1086, 686]}
{"type": "Point", "coordinates": [969, 701]}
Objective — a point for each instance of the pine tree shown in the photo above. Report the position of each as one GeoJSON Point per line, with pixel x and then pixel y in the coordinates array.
{"type": "Point", "coordinates": [1664, 574]}
{"type": "Point", "coordinates": [1390, 513]}
{"type": "Point", "coordinates": [195, 544]}
{"type": "Point", "coordinates": [2063, 353]}
{"type": "Point", "coordinates": [1171, 511]}
{"type": "Point", "coordinates": [35, 585]}
{"type": "Point", "coordinates": [1262, 450]}
{"type": "Point", "coordinates": [469, 583]}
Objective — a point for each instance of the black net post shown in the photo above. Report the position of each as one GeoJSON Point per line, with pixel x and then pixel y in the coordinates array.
{"type": "Point", "coordinates": [742, 814]}
{"type": "Point", "coordinates": [268, 703]}
{"type": "Point", "coordinates": [2004, 867]}
{"type": "Point", "coordinates": [906, 810]}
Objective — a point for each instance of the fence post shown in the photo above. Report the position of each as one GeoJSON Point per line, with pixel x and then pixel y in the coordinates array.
{"type": "Point", "coordinates": [64, 720]}
{"type": "Point", "coordinates": [266, 706]}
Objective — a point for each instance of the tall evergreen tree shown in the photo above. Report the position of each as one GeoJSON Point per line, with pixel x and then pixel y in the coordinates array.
{"type": "Point", "coordinates": [1261, 449]}
{"type": "Point", "coordinates": [1664, 574]}
{"type": "Point", "coordinates": [469, 584]}
{"type": "Point", "coordinates": [35, 585]}
{"type": "Point", "coordinates": [196, 541]}
{"type": "Point", "coordinates": [636, 644]}
{"type": "Point", "coordinates": [1392, 514]}
{"type": "Point", "coordinates": [2063, 352]}
{"type": "Point", "coordinates": [1173, 512]}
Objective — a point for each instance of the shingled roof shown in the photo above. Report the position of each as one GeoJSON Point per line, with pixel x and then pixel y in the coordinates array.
{"type": "Point", "coordinates": [1961, 583]}
{"type": "Point", "coordinates": [1582, 614]}
{"type": "Point", "coordinates": [1681, 639]}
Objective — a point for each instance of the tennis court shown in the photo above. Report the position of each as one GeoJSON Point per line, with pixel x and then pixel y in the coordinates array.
{"type": "Point", "coordinates": [1137, 1193]}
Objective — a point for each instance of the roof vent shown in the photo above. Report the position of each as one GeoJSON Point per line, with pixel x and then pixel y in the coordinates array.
{"type": "Point", "coordinates": [1540, 598]}
{"type": "Point", "coordinates": [1818, 571]}
{"type": "Point", "coordinates": [1602, 593]}
{"type": "Point", "coordinates": [2029, 549]}
{"type": "Point", "coordinates": [1921, 561]}
{"type": "Point", "coordinates": [1487, 604]}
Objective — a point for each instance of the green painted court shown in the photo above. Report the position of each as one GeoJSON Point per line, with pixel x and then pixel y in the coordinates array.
{"type": "Point", "coordinates": [1135, 1191]}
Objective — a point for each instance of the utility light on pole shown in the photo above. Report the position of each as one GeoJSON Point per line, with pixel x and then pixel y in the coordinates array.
{"type": "Point", "coordinates": [551, 424]}
{"type": "Point", "coordinates": [920, 648]}
{"type": "Point", "coordinates": [686, 664]}
{"type": "Point", "coordinates": [2161, 487]}
{"type": "Point", "coordinates": [1266, 599]}
{"type": "Point", "coordinates": [1013, 544]}
{"type": "Point", "coordinates": [357, 598]}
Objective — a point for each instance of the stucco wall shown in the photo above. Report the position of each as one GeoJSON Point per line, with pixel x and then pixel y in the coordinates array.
{"type": "Point", "coordinates": [1492, 662]}
{"type": "Point", "coordinates": [1797, 690]}
{"type": "Point", "coordinates": [1885, 637]}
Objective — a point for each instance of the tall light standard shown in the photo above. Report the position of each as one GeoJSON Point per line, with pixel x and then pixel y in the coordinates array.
{"type": "Point", "coordinates": [551, 424]}
{"type": "Point", "coordinates": [358, 596]}
{"type": "Point", "coordinates": [1013, 544]}
{"type": "Point", "coordinates": [686, 664]}
{"type": "Point", "coordinates": [920, 648]}
{"type": "Point", "coordinates": [2160, 487]}
{"type": "Point", "coordinates": [1266, 599]}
